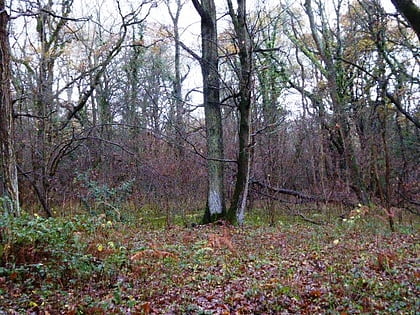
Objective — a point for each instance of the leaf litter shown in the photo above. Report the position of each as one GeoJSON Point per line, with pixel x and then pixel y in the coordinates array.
{"type": "Point", "coordinates": [220, 270]}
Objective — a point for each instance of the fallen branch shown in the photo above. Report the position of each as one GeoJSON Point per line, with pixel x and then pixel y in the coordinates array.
{"type": "Point", "coordinates": [414, 202]}
{"type": "Point", "coordinates": [309, 220]}
{"type": "Point", "coordinates": [284, 191]}
{"type": "Point", "coordinates": [272, 197]}
{"type": "Point", "coordinates": [299, 194]}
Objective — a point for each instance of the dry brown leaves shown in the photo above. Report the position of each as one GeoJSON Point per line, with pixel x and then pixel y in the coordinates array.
{"type": "Point", "coordinates": [151, 253]}
{"type": "Point", "coordinates": [223, 240]}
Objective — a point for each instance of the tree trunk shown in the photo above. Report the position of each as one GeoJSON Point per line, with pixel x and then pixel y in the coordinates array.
{"type": "Point", "coordinates": [213, 118]}
{"type": "Point", "coordinates": [44, 104]}
{"type": "Point", "coordinates": [8, 155]}
{"type": "Point", "coordinates": [178, 110]}
{"type": "Point", "coordinates": [411, 12]}
{"type": "Point", "coordinates": [240, 194]}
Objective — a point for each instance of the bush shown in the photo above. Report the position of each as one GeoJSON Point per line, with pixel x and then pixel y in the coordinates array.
{"type": "Point", "coordinates": [40, 248]}
{"type": "Point", "coordinates": [102, 198]}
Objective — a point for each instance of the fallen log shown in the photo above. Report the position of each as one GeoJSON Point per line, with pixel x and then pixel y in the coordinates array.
{"type": "Point", "coordinates": [309, 198]}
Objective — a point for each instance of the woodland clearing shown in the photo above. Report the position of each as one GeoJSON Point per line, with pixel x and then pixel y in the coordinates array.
{"type": "Point", "coordinates": [91, 265]}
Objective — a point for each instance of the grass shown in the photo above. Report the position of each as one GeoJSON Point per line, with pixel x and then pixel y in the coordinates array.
{"type": "Point", "coordinates": [92, 265]}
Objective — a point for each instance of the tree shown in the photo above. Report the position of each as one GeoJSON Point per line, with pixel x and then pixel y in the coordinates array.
{"type": "Point", "coordinates": [8, 155]}
{"type": "Point", "coordinates": [177, 109]}
{"type": "Point", "coordinates": [326, 56]}
{"type": "Point", "coordinates": [58, 119]}
{"type": "Point", "coordinates": [411, 12]}
{"type": "Point", "coordinates": [389, 66]}
{"type": "Point", "coordinates": [213, 119]}
{"type": "Point", "coordinates": [244, 73]}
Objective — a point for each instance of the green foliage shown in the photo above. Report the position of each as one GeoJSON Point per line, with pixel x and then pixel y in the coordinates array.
{"type": "Point", "coordinates": [5, 204]}
{"type": "Point", "coordinates": [100, 198]}
{"type": "Point", "coordinates": [86, 265]}
{"type": "Point", "coordinates": [37, 249]}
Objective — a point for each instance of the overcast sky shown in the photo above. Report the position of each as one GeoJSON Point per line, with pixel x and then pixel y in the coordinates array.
{"type": "Point", "coordinates": [190, 23]}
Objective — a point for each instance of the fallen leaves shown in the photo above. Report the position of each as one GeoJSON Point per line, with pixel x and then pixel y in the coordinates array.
{"type": "Point", "coordinates": [224, 240]}
{"type": "Point", "coordinates": [151, 253]}
{"type": "Point", "coordinates": [386, 260]}
{"type": "Point", "coordinates": [146, 308]}
{"type": "Point", "coordinates": [301, 269]}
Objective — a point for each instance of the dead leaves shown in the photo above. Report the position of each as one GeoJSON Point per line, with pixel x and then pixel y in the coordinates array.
{"type": "Point", "coordinates": [223, 240]}
{"type": "Point", "coordinates": [386, 260]}
{"type": "Point", "coordinates": [295, 270]}
{"type": "Point", "coordinates": [146, 308]}
{"type": "Point", "coordinates": [359, 211]}
{"type": "Point", "coordinates": [151, 253]}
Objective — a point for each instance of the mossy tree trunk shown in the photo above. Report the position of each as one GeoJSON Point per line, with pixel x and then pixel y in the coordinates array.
{"type": "Point", "coordinates": [236, 211]}
{"type": "Point", "coordinates": [215, 208]}
{"type": "Point", "coordinates": [8, 155]}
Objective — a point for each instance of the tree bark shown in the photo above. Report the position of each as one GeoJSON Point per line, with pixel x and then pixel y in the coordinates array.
{"type": "Point", "coordinates": [236, 212]}
{"type": "Point", "coordinates": [44, 104]}
{"type": "Point", "coordinates": [178, 110]}
{"type": "Point", "coordinates": [8, 155]}
{"type": "Point", "coordinates": [411, 12]}
{"type": "Point", "coordinates": [213, 118]}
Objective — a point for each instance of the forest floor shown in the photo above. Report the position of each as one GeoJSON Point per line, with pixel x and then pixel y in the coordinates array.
{"type": "Point", "coordinates": [87, 265]}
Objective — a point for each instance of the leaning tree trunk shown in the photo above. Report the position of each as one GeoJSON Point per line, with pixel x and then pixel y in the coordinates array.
{"type": "Point", "coordinates": [411, 12]}
{"type": "Point", "coordinates": [8, 156]}
{"type": "Point", "coordinates": [240, 194]}
{"type": "Point", "coordinates": [213, 118]}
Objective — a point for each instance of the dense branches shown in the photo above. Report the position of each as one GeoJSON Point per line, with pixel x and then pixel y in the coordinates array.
{"type": "Point", "coordinates": [319, 102]}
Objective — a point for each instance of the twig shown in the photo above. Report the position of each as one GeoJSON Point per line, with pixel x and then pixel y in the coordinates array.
{"type": "Point", "coordinates": [206, 157]}
{"type": "Point", "coordinates": [309, 220]}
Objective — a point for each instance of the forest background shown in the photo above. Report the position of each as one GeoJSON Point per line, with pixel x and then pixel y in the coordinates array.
{"type": "Point", "coordinates": [107, 108]}
{"type": "Point", "coordinates": [123, 124]}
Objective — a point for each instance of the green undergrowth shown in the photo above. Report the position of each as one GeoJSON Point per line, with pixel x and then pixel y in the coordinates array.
{"type": "Point", "coordinates": [89, 264]}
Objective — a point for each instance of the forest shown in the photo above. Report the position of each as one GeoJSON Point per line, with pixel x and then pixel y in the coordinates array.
{"type": "Point", "coordinates": [209, 157]}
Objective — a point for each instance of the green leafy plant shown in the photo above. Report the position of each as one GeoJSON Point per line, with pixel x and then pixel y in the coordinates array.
{"type": "Point", "coordinates": [85, 265]}
{"type": "Point", "coordinates": [100, 198]}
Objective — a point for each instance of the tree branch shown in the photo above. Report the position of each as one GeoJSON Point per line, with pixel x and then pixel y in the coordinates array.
{"type": "Point", "coordinates": [299, 194]}
{"type": "Point", "coordinates": [394, 100]}
{"type": "Point", "coordinates": [411, 12]}
{"type": "Point", "coordinates": [199, 9]}
{"type": "Point", "coordinates": [191, 52]}
{"type": "Point", "coordinates": [309, 220]}
{"type": "Point", "coordinates": [205, 157]}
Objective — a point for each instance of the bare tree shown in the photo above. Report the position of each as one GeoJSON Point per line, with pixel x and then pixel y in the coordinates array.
{"type": "Point", "coordinates": [327, 58]}
{"type": "Point", "coordinates": [57, 121]}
